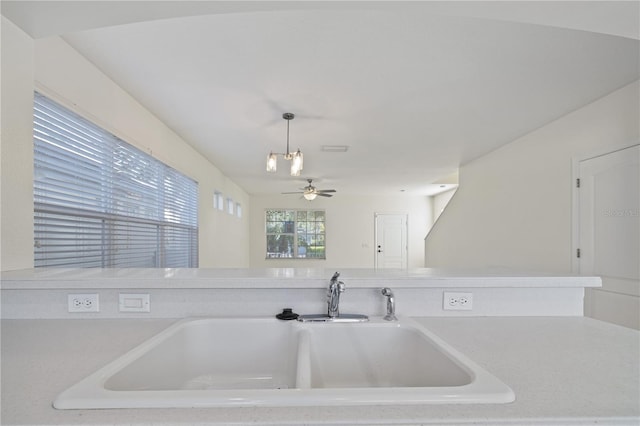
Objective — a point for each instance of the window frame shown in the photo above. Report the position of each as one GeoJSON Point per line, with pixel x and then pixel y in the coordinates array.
{"type": "Point", "coordinates": [230, 206]}
{"type": "Point", "coordinates": [296, 234]}
{"type": "Point", "coordinates": [99, 201]}
{"type": "Point", "coordinates": [218, 201]}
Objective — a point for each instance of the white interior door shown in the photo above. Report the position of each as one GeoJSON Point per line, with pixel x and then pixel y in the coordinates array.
{"type": "Point", "coordinates": [609, 234]}
{"type": "Point", "coordinates": [391, 241]}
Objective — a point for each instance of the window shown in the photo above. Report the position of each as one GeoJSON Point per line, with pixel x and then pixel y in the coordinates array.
{"type": "Point", "coordinates": [238, 210]}
{"type": "Point", "coordinates": [100, 202]}
{"type": "Point", "coordinates": [230, 205]}
{"type": "Point", "coordinates": [295, 234]}
{"type": "Point", "coordinates": [218, 200]}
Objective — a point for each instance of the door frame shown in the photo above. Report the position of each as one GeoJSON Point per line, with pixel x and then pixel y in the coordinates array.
{"type": "Point", "coordinates": [575, 199]}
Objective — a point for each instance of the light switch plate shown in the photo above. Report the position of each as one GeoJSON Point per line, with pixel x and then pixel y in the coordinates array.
{"type": "Point", "coordinates": [134, 302]}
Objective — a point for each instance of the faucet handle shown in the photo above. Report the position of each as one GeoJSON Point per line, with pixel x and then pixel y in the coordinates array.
{"type": "Point", "coordinates": [335, 288]}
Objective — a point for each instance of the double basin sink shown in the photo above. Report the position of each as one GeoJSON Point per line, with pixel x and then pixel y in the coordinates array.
{"type": "Point", "coordinates": [267, 362]}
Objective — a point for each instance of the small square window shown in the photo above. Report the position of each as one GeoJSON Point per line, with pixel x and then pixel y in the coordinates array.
{"type": "Point", "coordinates": [218, 200]}
{"type": "Point", "coordinates": [238, 210]}
{"type": "Point", "coordinates": [230, 206]}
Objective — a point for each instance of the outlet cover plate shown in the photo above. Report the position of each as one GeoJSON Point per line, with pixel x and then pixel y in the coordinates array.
{"type": "Point", "coordinates": [457, 301]}
{"type": "Point", "coordinates": [81, 303]}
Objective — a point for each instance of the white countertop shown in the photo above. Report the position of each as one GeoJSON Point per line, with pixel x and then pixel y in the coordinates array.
{"type": "Point", "coordinates": [158, 278]}
{"type": "Point", "coordinates": [569, 370]}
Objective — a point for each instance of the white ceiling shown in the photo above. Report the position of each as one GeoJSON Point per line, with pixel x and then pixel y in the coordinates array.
{"type": "Point", "coordinates": [415, 89]}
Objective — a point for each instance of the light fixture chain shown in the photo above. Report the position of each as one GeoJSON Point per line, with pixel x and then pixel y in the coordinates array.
{"type": "Point", "coordinates": [288, 121]}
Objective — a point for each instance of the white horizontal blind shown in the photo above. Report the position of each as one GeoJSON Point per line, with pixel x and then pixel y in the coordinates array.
{"type": "Point", "coordinates": [100, 202]}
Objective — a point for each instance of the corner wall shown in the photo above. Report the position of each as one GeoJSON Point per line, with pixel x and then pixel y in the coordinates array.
{"type": "Point", "coordinates": [16, 152]}
{"type": "Point", "coordinates": [513, 205]}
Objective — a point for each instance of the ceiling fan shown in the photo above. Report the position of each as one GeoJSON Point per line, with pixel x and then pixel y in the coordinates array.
{"type": "Point", "coordinates": [310, 192]}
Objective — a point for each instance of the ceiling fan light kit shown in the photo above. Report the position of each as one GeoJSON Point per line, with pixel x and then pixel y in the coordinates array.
{"type": "Point", "coordinates": [310, 192]}
{"type": "Point", "coordinates": [296, 158]}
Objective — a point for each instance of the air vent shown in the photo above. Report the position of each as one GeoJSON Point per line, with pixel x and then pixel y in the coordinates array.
{"type": "Point", "coordinates": [334, 148]}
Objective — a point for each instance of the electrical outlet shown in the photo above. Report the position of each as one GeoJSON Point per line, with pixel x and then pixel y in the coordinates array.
{"type": "Point", "coordinates": [83, 302]}
{"type": "Point", "coordinates": [457, 301]}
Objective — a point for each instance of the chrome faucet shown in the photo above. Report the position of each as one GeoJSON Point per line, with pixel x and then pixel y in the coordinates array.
{"type": "Point", "coordinates": [333, 296]}
{"type": "Point", "coordinates": [391, 305]}
{"type": "Point", "coordinates": [333, 303]}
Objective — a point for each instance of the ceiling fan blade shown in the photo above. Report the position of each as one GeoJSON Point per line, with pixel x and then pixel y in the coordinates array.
{"type": "Point", "coordinates": [325, 190]}
{"type": "Point", "coordinates": [320, 194]}
{"type": "Point", "coordinates": [297, 192]}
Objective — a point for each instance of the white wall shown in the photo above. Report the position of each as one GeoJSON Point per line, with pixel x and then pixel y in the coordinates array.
{"type": "Point", "coordinates": [64, 75]}
{"type": "Point", "coordinates": [16, 232]}
{"type": "Point", "coordinates": [350, 228]}
{"type": "Point", "coordinates": [513, 205]}
{"type": "Point", "coordinates": [440, 202]}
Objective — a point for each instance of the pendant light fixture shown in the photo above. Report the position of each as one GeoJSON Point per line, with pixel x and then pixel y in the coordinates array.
{"type": "Point", "coordinates": [294, 157]}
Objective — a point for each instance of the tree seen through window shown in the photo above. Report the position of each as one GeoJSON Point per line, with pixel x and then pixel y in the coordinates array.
{"type": "Point", "coordinates": [295, 234]}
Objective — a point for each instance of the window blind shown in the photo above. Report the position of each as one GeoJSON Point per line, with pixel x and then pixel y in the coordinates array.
{"type": "Point", "coordinates": [100, 202]}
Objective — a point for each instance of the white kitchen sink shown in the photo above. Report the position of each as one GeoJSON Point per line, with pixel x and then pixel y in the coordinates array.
{"type": "Point", "coordinates": [267, 362]}
{"type": "Point", "coordinates": [212, 354]}
{"type": "Point", "coordinates": [380, 355]}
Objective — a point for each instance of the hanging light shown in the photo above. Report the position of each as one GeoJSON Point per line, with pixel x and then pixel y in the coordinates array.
{"type": "Point", "coordinates": [296, 163]}
{"type": "Point", "coordinates": [272, 162]}
{"type": "Point", "coordinates": [294, 157]}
